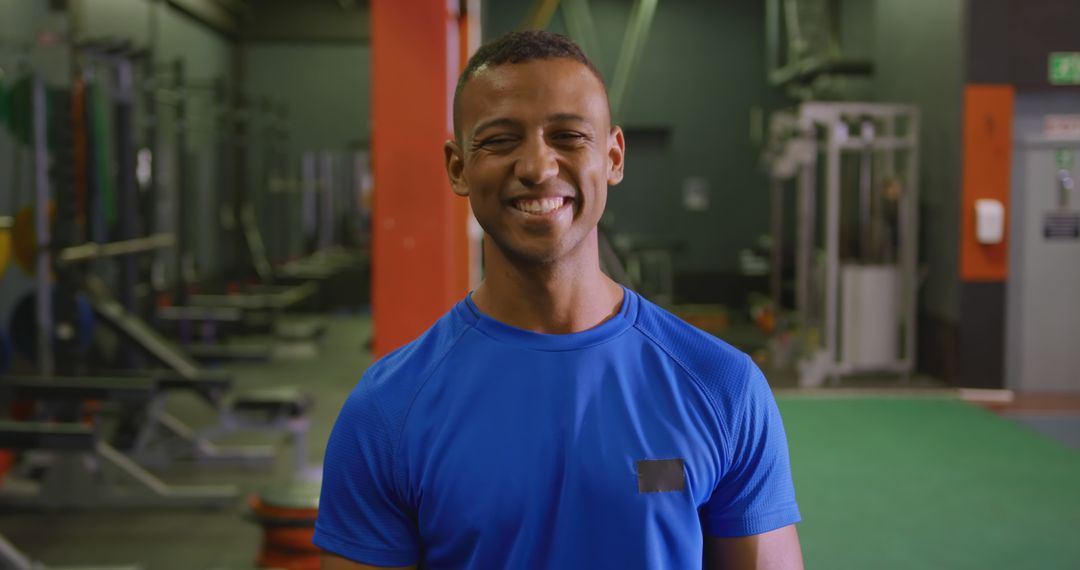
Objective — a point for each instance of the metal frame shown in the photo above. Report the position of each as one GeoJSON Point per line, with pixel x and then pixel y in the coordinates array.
{"type": "Point", "coordinates": [10, 557]}
{"type": "Point", "coordinates": [809, 149]}
{"type": "Point", "coordinates": [106, 478]}
{"type": "Point", "coordinates": [157, 442]}
{"type": "Point", "coordinates": [633, 46]}
{"type": "Point", "coordinates": [165, 438]}
{"type": "Point", "coordinates": [793, 66]}
{"type": "Point", "coordinates": [81, 471]}
{"type": "Point", "coordinates": [43, 279]}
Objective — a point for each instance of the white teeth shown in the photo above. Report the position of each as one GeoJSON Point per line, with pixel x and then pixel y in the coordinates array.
{"type": "Point", "coordinates": [541, 206]}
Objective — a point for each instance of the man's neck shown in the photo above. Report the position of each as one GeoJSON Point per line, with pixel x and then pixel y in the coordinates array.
{"type": "Point", "coordinates": [568, 296]}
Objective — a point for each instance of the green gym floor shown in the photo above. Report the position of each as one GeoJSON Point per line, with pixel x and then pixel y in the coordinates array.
{"type": "Point", "coordinates": [906, 481]}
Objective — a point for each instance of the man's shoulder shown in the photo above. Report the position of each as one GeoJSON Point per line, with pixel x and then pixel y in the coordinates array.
{"type": "Point", "coordinates": [396, 377]}
{"type": "Point", "coordinates": [722, 371]}
{"type": "Point", "coordinates": [695, 349]}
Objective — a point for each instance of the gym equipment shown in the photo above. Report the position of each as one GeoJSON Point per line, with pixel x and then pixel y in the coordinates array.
{"type": "Point", "coordinates": [43, 210]}
{"type": "Point", "coordinates": [24, 325]}
{"type": "Point", "coordinates": [101, 155]}
{"type": "Point", "coordinates": [166, 438]}
{"type": "Point", "coordinates": [5, 243]}
{"type": "Point", "coordinates": [803, 47]}
{"type": "Point", "coordinates": [330, 208]}
{"type": "Point", "coordinates": [24, 238]}
{"type": "Point", "coordinates": [268, 410]}
{"type": "Point", "coordinates": [5, 353]}
{"type": "Point", "coordinates": [80, 144]}
{"type": "Point", "coordinates": [287, 516]}
{"type": "Point", "coordinates": [202, 316]}
{"type": "Point", "coordinates": [77, 469]}
{"type": "Point", "coordinates": [342, 277]}
{"type": "Point", "coordinates": [87, 473]}
{"type": "Point", "coordinates": [855, 293]}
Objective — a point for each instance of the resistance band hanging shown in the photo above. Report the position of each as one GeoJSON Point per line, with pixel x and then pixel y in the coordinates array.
{"type": "Point", "coordinates": [80, 142]}
{"type": "Point", "coordinates": [104, 207]}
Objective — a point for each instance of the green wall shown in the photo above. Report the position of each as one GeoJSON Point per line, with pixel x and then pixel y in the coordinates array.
{"type": "Point", "coordinates": [19, 20]}
{"type": "Point", "coordinates": [206, 53]}
{"type": "Point", "coordinates": [919, 53]}
{"type": "Point", "coordinates": [326, 87]}
{"type": "Point", "coordinates": [702, 72]}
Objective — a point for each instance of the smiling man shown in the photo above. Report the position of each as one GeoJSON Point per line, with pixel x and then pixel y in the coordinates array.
{"type": "Point", "coordinates": [553, 419]}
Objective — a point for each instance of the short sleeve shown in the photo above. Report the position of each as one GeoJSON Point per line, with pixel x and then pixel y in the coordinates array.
{"type": "Point", "coordinates": [361, 516]}
{"type": "Point", "coordinates": [755, 494]}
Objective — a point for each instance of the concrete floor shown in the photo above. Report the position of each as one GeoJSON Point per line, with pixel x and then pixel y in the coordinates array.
{"type": "Point", "coordinates": [1061, 427]}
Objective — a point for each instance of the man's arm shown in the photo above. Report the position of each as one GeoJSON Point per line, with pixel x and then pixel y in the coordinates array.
{"type": "Point", "coordinates": [334, 562]}
{"type": "Point", "coordinates": [774, 550]}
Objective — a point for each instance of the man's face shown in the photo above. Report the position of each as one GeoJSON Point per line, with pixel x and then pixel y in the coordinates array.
{"type": "Point", "coordinates": [535, 155]}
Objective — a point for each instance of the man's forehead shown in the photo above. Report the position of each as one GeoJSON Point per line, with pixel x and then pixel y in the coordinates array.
{"type": "Point", "coordinates": [536, 85]}
{"type": "Point", "coordinates": [537, 70]}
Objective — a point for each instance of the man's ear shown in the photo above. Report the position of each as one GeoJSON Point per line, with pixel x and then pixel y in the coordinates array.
{"type": "Point", "coordinates": [616, 156]}
{"type": "Point", "coordinates": [455, 167]}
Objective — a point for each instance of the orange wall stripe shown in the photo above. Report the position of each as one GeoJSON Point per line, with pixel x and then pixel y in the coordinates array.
{"type": "Point", "coordinates": [987, 167]}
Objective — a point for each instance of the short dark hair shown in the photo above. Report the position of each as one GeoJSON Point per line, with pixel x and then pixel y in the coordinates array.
{"type": "Point", "coordinates": [520, 47]}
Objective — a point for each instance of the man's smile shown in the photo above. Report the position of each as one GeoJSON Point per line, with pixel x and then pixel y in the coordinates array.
{"type": "Point", "coordinates": [540, 207]}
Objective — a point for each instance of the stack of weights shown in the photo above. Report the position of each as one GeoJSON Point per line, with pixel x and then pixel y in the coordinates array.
{"type": "Point", "coordinates": [287, 516]}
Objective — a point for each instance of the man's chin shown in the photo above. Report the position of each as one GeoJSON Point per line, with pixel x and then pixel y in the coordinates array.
{"type": "Point", "coordinates": [533, 254]}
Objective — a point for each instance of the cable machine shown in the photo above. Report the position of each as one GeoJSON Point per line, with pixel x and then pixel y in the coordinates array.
{"type": "Point", "coordinates": [854, 167]}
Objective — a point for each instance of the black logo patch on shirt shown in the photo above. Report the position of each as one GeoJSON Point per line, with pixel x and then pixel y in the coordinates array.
{"type": "Point", "coordinates": [660, 475]}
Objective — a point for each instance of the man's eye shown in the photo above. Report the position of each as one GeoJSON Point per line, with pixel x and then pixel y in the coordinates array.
{"type": "Point", "coordinates": [568, 137]}
{"type": "Point", "coordinates": [495, 142]}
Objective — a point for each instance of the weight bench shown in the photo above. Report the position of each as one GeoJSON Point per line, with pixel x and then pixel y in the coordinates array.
{"type": "Point", "coordinates": [263, 305]}
{"type": "Point", "coordinates": [278, 409]}
{"type": "Point", "coordinates": [80, 471]}
{"type": "Point", "coordinates": [342, 277]}
{"type": "Point", "coordinates": [219, 322]}
{"type": "Point", "coordinates": [132, 390]}
{"type": "Point", "coordinates": [248, 312]}
{"type": "Point", "coordinates": [167, 438]}
{"type": "Point", "coordinates": [263, 298]}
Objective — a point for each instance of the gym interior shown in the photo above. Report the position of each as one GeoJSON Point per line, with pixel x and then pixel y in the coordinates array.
{"type": "Point", "coordinates": [216, 214]}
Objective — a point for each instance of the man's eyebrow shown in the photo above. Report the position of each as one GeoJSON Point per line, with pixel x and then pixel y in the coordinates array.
{"type": "Point", "coordinates": [508, 122]}
{"type": "Point", "coordinates": [499, 122]}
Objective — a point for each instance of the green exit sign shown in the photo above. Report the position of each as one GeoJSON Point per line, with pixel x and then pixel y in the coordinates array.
{"type": "Point", "coordinates": [1065, 68]}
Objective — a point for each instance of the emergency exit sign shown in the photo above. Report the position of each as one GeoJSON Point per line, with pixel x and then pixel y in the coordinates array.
{"type": "Point", "coordinates": [1065, 68]}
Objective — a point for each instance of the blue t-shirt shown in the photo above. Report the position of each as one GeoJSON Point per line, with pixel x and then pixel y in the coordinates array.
{"type": "Point", "coordinates": [481, 445]}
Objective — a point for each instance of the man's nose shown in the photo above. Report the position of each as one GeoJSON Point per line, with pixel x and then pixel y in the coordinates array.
{"type": "Point", "coordinates": [538, 162]}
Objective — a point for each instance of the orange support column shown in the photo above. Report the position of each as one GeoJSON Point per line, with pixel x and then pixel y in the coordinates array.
{"type": "Point", "coordinates": [420, 250]}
